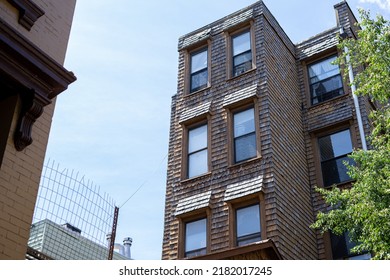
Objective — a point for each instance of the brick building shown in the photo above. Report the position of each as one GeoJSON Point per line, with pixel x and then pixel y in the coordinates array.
{"type": "Point", "coordinates": [33, 42]}
{"type": "Point", "coordinates": [256, 123]}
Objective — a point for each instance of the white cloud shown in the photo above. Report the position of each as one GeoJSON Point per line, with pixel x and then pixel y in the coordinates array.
{"type": "Point", "coordinates": [383, 4]}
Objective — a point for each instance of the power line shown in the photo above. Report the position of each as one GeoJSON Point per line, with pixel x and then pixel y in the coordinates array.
{"type": "Point", "coordinates": [144, 183]}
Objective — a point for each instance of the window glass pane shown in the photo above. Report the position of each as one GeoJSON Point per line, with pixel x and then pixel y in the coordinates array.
{"type": "Point", "coordinates": [242, 58]}
{"type": "Point", "coordinates": [199, 80]}
{"type": "Point", "coordinates": [245, 147]}
{"type": "Point", "coordinates": [197, 138]}
{"type": "Point", "coordinates": [323, 69]}
{"type": "Point", "coordinates": [197, 163]}
{"type": "Point", "coordinates": [326, 89]}
{"type": "Point", "coordinates": [241, 43]}
{"type": "Point", "coordinates": [195, 235]}
{"type": "Point", "coordinates": [325, 80]}
{"type": "Point", "coordinates": [335, 145]}
{"type": "Point", "coordinates": [341, 143]}
{"type": "Point", "coordinates": [248, 220]}
{"type": "Point", "coordinates": [334, 171]}
{"type": "Point", "coordinates": [198, 61]}
{"type": "Point", "coordinates": [244, 122]}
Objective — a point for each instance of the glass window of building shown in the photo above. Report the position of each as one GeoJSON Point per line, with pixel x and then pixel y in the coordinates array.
{"type": "Point", "coordinates": [334, 150]}
{"type": "Point", "coordinates": [325, 80]}
{"type": "Point", "coordinates": [248, 227]}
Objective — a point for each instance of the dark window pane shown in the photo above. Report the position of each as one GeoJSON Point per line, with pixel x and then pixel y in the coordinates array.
{"type": "Point", "coordinates": [195, 236]}
{"type": "Point", "coordinates": [335, 145]}
{"type": "Point", "coordinates": [199, 80]}
{"type": "Point", "coordinates": [325, 80]}
{"type": "Point", "coordinates": [342, 248]}
{"type": "Point", "coordinates": [334, 171]}
{"type": "Point", "coordinates": [245, 147]}
{"type": "Point", "coordinates": [199, 72]}
{"type": "Point", "coordinates": [334, 149]}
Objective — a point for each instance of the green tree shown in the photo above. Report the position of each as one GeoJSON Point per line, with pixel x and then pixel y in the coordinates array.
{"type": "Point", "coordinates": [364, 210]}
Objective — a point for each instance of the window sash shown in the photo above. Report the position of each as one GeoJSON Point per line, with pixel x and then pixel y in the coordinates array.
{"type": "Point", "coordinates": [197, 158]}
{"type": "Point", "coordinates": [334, 150]}
{"type": "Point", "coordinates": [324, 80]}
{"type": "Point", "coordinates": [335, 144]}
{"type": "Point", "coordinates": [241, 43]}
{"type": "Point", "coordinates": [248, 226]}
{"type": "Point", "coordinates": [199, 80]}
{"type": "Point", "coordinates": [326, 89]}
{"type": "Point", "coordinates": [245, 147]}
{"type": "Point", "coordinates": [199, 70]}
{"type": "Point", "coordinates": [197, 163]}
{"type": "Point", "coordinates": [195, 237]}
{"type": "Point", "coordinates": [241, 53]}
{"type": "Point", "coordinates": [244, 135]}
{"type": "Point", "coordinates": [247, 239]}
{"type": "Point", "coordinates": [334, 171]}
{"type": "Point", "coordinates": [342, 246]}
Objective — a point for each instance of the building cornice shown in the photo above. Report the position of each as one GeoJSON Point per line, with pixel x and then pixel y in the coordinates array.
{"type": "Point", "coordinates": [29, 12]}
{"type": "Point", "coordinates": [39, 75]}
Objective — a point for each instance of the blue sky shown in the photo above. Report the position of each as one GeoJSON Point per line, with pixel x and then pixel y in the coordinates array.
{"type": "Point", "coordinates": [112, 124]}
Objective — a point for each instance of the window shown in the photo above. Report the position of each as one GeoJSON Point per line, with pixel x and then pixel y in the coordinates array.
{"type": "Point", "coordinates": [334, 149]}
{"type": "Point", "coordinates": [341, 248]}
{"type": "Point", "coordinates": [242, 52]}
{"type": "Point", "coordinates": [195, 238]}
{"type": "Point", "coordinates": [199, 72]}
{"type": "Point", "coordinates": [197, 161]}
{"type": "Point", "coordinates": [244, 134]}
{"type": "Point", "coordinates": [248, 227]}
{"type": "Point", "coordinates": [325, 80]}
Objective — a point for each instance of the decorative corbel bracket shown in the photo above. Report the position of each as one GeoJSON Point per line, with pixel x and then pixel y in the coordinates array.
{"type": "Point", "coordinates": [32, 109]}
{"type": "Point", "coordinates": [29, 12]}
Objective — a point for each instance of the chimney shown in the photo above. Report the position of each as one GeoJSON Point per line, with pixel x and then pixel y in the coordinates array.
{"type": "Point", "coordinates": [127, 244]}
{"type": "Point", "coordinates": [108, 238]}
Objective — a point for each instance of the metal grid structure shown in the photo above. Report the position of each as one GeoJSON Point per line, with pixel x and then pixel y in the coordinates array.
{"type": "Point", "coordinates": [71, 218]}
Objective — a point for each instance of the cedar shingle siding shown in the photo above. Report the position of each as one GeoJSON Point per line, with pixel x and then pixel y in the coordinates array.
{"type": "Point", "coordinates": [285, 172]}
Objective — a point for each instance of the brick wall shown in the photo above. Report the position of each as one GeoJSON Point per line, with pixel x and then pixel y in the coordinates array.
{"type": "Point", "coordinates": [20, 171]}
{"type": "Point", "coordinates": [50, 32]}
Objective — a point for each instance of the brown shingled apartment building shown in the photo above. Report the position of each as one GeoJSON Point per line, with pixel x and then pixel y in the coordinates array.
{"type": "Point", "coordinates": [257, 122]}
{"type": "Point", "coordinates": [33, 41]}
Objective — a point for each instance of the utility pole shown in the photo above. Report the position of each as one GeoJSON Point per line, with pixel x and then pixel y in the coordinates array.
{"type": "Point", "coordinates": [112, 241]}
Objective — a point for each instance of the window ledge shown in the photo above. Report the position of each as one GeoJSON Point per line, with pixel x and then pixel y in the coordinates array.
{"type": "Point", "coordinates": [340, 185]}
{"type": "Point", "coordinates": [231, 78]}
{"type": "Point", "coordinates": [197, 91]}
{"type": "Point", "coordinates": [240, 164]}
{"type": "Point", "coordinates": [199, 177]}
{"type": "Point", "coordinates": [327, 101]}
